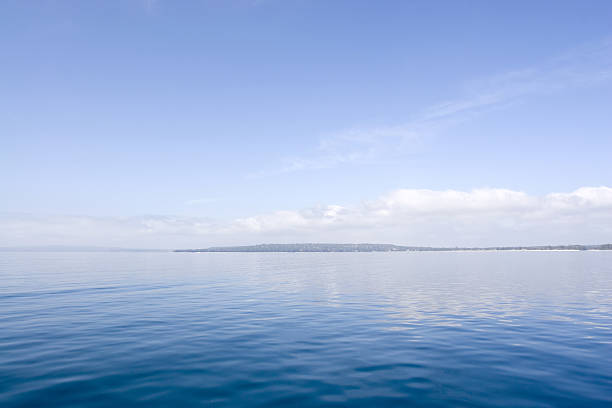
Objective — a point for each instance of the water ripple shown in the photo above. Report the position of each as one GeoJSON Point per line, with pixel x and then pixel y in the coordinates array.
{"type": "Point", "coordinates": [264, 330]}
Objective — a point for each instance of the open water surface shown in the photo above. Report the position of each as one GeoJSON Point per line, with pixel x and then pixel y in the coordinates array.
{"type": "Point", "coordinates": [471, 329]}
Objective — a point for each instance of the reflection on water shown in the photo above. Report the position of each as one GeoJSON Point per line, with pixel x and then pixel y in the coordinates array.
{"type": "Point", "coordinates": [306, 329]}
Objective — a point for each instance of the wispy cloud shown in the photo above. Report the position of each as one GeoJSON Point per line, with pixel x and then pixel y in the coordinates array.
{"type": "Point", "coordinates": [150, 6]}
{"type": "Point", "coordinates": [584, 66]}
{"type": "Point", "coordinates": [406, 216]}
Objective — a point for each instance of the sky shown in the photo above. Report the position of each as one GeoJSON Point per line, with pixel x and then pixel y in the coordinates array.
{"type": "Point", "coordinates": [186, 124]}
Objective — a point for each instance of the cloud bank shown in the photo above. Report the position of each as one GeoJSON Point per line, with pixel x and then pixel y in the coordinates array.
{"type": "Point", "coordinates": [487, 216]}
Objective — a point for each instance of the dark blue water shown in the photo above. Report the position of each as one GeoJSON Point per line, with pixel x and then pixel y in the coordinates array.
{"type": "Point", "coordinates": [501, 329]}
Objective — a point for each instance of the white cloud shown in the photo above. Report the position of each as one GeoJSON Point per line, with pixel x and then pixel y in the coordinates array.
{"type": "Point", "coordinates": [405, 216]}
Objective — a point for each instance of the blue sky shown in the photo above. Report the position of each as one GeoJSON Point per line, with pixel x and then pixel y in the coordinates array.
{"type": "Point", "coordinates": [216, 112]}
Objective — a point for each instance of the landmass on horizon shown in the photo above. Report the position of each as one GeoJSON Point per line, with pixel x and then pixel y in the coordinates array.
{"type": "Point", "coordinates": [321, 247]}
{"type": "Point", "coordinates": [311, 247]}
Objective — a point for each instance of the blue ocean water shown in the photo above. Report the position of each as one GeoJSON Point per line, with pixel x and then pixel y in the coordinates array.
{"type": "Point", "coordinates": [471, 329]}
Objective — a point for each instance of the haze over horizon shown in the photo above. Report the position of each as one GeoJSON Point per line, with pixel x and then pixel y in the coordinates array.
{"type": "Point", "coordinates": [156, 124]}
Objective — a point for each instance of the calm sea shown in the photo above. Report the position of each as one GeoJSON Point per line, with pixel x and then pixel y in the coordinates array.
{"type": "Point", "coordinates": [503, 329]}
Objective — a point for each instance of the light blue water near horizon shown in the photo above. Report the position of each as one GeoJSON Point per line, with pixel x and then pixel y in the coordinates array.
{"type": "Point", "coordinates": [499, 329]}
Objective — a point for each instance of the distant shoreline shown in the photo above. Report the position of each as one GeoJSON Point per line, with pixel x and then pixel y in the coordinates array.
{"type": "Point", "coordinates": [320, 248]}
{"type": "Point", "coordinates": [316, 247]}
